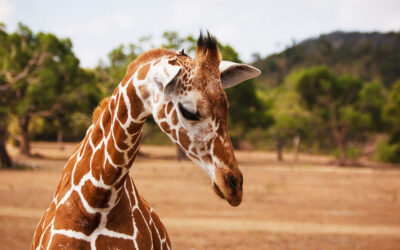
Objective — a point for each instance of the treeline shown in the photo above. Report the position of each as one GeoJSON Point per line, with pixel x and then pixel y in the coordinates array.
{"type": "Point", "coordinates": [349, 106]}
{"type": "Point", "coordinates": [46, 95]}
{"type": "Point", "coordinates": [369, 56]}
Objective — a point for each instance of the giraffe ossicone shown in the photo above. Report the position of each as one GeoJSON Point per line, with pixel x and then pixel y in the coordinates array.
{"type": "Point", "coordinates": [96, 204]}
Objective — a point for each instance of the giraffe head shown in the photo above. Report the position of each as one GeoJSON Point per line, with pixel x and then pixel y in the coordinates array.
{"type": "Point", "coordinates": [191, 107]}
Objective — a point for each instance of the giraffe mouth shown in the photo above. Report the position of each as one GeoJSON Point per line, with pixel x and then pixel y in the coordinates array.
{"type": "Point", "coordinates": [217, 190]}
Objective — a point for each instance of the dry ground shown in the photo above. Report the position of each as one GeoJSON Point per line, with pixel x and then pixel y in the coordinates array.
{"type": "Point", "coordinates": [307, 205]}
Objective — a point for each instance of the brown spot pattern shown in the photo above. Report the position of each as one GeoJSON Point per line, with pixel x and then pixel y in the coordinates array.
{"type": "Point", "coordinates": [83, 166]}
{"type": "Point", "coordinates": [165, 127]}
{"type": "Point", "coordinates": [98, 163]}
{"type": "Point", "coordinates": [116, 156]}
{"type": "Point", "coordinates": [161, 112]}
{"type": "Point", "coordinates": [120, 136]}
{"type": "Point", "coordinates": [112, 174]}
{"type": "Point", "coordinates": [144, 92]}
{"type": "Point", "coordinates": [73, 216]}
{"type": "Point", "coordinates": [118, 223]}
{"type": "Point", "coordinates": [221, 152]}
{"type": "Point", "coordinates": [174, 118]}
{"type": "Point", "coordinates": [122, 110]}
{"type": "Point", "coordinates": [63, 242]}
{"type": "Point", "coordinates": [113, 243]}
{"type": "Point", "coordinates": [183, 138]}
{"type": "Point", "coordinates": [143, 71]}
{"type": "Point", "coordinates": [169, 107]}
{"type": "Point", "coordinates": [136, 104]}
{"type": "Point", "coordinates": [96, 197]}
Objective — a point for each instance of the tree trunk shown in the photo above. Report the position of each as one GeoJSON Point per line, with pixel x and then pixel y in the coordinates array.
{"type": "Point", "coordinates": [339, 133]}
{"type": "Point", "coordinates": [342, 151]}
{"type": "Point", "coordinates": [279, 147]}
{"type": "Point", "coordinates": [24, 146]}
{"type": "Point", "coordinates": [60, 140]}
{"type": "Point", "coordinates": [5, 160]}
{"type": "Point", "coordinates": [341, 144]}
{"type": "Point", "coordinates": [296, 143]}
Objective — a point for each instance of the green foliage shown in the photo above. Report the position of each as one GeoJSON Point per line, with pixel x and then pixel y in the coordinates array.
{"type": "Point", "coordinates": [172, 40]}
{"type": "Point", "coordinates": [391, 112]}
{"type": "Point", "coordinates": [290, 118]}
{"type": "Point", "coordinates": [346, 104]}
{"type": "Point", "coordinates": [387, 152]}
{"type": "Point", "coordinates": [42, 78]}
{"type": "Point", "coordinates": [372, 99]}
{"type": "Point", "coordinates": [352, 152]}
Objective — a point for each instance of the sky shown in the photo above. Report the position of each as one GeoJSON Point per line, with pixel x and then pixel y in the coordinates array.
{"type": "Point", "coordinates": [251, 26]}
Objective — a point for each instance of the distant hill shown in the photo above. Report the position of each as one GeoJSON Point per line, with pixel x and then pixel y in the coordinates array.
{"type": "Point", "coordinates": [370, 56]}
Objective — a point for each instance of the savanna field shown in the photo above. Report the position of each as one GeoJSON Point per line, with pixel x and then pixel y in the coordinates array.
{"type": "Point", "coordinates": [308, 204]}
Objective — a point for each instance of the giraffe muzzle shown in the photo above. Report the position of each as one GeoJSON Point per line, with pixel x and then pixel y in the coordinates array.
{"type": "Point", "coordinates": [230, 187]}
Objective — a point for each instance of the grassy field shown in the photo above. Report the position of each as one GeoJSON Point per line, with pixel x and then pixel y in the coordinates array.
{"type": "Point", "coordinates": [304, 205]}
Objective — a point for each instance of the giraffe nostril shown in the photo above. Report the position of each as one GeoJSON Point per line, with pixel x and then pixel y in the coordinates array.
{"type": "Point", "coordinates": [233, 181]}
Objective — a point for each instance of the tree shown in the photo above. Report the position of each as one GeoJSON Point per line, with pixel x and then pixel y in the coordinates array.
{"type": "Point", "coordinates": [81, 97]}
{"type": "Point", "coordinates": [19, 60]}
{"type": "Point", "coordinates": [340, 101]}
{"type": "Point", "coordinates": [291, 121]}
{"type": "Point", "coordinates": [41, 72]}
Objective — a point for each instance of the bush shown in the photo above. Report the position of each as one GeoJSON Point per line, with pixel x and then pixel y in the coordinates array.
{"type": "Point", "coordinates": [352, 152]}
{"type": "Point", "coordinates": [386, 152]}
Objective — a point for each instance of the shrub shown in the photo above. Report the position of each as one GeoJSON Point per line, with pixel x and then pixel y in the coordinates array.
{"type": "Point", "coordinates": [386, 152]}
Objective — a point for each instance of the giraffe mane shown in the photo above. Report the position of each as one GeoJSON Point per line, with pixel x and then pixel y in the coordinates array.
{"type": "Point", "coordinates": [99, 109]}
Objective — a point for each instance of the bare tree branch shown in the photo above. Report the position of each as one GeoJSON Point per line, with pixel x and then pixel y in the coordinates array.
{"type": "Point", "coordinates": [35, 61]}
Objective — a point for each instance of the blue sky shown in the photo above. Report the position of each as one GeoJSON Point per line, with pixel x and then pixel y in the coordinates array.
{"type": "Point", "coordinates": [95, 27]}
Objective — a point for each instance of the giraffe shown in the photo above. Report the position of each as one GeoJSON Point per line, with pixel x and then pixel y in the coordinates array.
{"type": "Point", "coordinates": [96, 204]}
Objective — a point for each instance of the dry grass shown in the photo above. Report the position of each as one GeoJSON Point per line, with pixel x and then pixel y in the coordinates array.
{"type": "Point", "coordinates": [303, 205]}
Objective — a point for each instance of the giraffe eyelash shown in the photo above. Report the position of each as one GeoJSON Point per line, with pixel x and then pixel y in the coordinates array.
{"type": "Point", "coordinates": [189, 115]}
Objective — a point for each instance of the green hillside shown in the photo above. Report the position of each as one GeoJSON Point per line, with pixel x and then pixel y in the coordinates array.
{"type": "Point", "coordinates": [370, 56]}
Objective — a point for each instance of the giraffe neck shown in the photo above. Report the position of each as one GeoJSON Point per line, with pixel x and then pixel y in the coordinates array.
{"type": "Point", "coordinates": [102, 162]}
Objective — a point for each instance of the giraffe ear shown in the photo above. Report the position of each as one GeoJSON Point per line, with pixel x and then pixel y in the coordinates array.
{"type": "Point", "coordinates": [235, 73]}
{"type": "Point", "coordinates": [166, 80]}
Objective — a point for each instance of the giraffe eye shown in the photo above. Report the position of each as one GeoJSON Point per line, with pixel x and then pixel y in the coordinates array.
{"type": "Point", "coordinates": [189, 115]}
